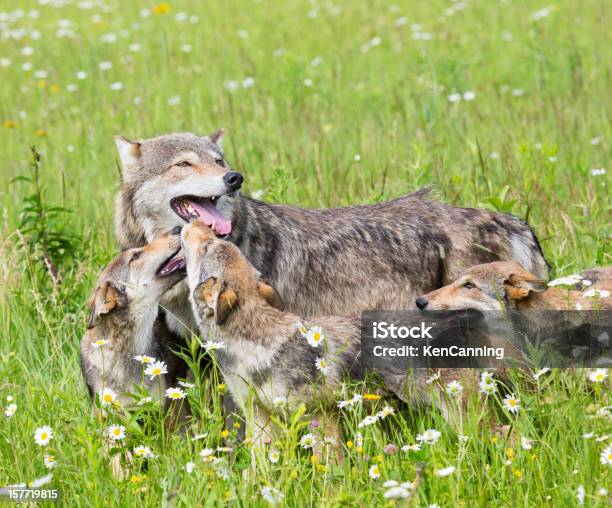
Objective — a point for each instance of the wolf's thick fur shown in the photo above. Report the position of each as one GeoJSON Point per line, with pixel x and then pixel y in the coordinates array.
{"type": "Point", "coordinates": [265, 351]}
{"type": "Point", "coordinates": [328, 261]}
{"type": "Point", "coordinates": [124, 311]}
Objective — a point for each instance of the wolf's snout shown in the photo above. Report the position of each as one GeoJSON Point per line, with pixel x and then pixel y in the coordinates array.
{"type": "Point", "coordinates": [233, 180]}
{"type": "Point", "coordinates": [421, 302]}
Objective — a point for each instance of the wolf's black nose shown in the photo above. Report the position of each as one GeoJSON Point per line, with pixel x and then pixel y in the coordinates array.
{"type": "Point", "coordinates": [233, 180]}
{"type": "Point", "coordinates": [176, 230]}
{"type": "Point", "coordinates": [421, 302]}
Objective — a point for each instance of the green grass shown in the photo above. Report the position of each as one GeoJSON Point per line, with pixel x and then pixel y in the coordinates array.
{"type": "Point", "coordinates": [297, 144]}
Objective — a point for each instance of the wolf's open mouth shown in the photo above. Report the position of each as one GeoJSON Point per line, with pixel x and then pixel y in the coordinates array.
{"type": "Point", "coordinates": [172, 265]}
{"type": "Point", "coordinates": [193, 207]}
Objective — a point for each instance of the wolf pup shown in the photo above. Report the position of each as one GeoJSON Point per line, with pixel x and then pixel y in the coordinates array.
{"type": "Point", "coordinates": [322, 262]}
{"type": "Point", "coordinates": [123, 320]}
{"type": "Point", "coordinates": [507, 286]}
{"type": "Point", "coordinates": [264, 349]}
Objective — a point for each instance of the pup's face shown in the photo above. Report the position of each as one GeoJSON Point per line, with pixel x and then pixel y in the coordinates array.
{"type": "Point", "coordinates": [138, 277]}
{"type": "Point", "coordinates": [220, 277]}
{"type": "Point", "coordinates": [490, 286]}
{"type": "Point", "coordinates": [178, 177]}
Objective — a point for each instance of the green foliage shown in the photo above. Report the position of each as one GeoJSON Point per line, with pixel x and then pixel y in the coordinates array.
{"type": "Point", "coordinates": [42, 224]}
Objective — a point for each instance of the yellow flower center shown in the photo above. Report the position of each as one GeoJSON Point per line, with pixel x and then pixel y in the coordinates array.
{"type": "Point", "coordinates": [316, 337]}
{"type": "Point", "coordinates": [108, 397]}
{"type": "Point", "coordinates": [43, 436]}
{"type": "Point", "coordinates": [511, 402]}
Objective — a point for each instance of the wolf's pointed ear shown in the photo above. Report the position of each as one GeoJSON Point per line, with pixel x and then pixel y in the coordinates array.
{"type": "Point", "coordinates": [270, 295]}
{"type": "Point", "coordinates": [520, 285]}
{"type": "Point", "coordinates": [227, 301]}
{"type": "Point", "coordinates": [217, 137]}
{"type": "Point", "coordinates": [105, 299]}
{"type": "Point", "coordinates": [129, 152]}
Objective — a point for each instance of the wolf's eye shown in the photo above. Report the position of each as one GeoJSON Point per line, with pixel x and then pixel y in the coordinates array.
{"type": "Point", "coordinates": [220, 161]}
{"type": "Point", "coordinates": [469, 285]}
{"type": "Point", "coordinates": [135, 256]}
{"type": "Point", "coordinates": [183, 164]}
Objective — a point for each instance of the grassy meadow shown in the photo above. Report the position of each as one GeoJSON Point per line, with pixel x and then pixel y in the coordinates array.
{"type": "Point", "coordinates": [501, 104]}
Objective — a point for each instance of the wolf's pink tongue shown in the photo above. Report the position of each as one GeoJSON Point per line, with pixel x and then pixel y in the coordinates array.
{"type": "Point", "coordinates": [211, 216]}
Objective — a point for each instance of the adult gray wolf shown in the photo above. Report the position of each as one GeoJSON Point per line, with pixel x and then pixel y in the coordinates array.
{"type": "Point", "coordinates": [321, 261]}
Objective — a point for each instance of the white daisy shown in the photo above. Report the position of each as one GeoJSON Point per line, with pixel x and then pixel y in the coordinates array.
{"type": "Point", "coordinates": [386, 411]}
{"type": "Point", "coordinates": [322, 366]}
{"type": "Point", "coordinates": [301, 327]}
{"type": "Point", "coordinates": [116, 432]}
{"type": "Point", "coordinates": [144, 359]}
{"type": "Point", "coordinates": [368, 420]}
{"type": "Point", "coordinates": [511, 403]}
{"type": "Point", "coordinates": [374, 471]}
{"type": "Point", "coordinates": [598, 375]}
{"type": "Point", "coordinates": [454, 388]}
{"type": "Point", "coordinates": [308, 441]}
{"type": "Point", "coordinates": [143, 452]}
{"type": "Point", "coordinates": [189, 467]}
{"type": "Point", "coordinates": [50, 462]}
{"type": "Point", "coordinates": [108, 396]}
{"type": "Point", "coordinates": [433, 378]}
{"type": "Point", "coordinates": [416, 447]}
{"type": "Point", "coordinates": [10, 410]}
{"type": "Point", "coordinates": [156, 369]}
{"type": "Point", "coordinates": [42, 435]}
{"type": "Point", "coordinates": [99, 343]}
{"type": "Point", "coordinates": [185, 384]}
{"type": "Point", "coordinates": [144, 401]}
{"type": "Point", "coordinates": [487, 388]}
{"type": "Point", "coordinates": [430, 436]}
{"type": "Point", "coordinates": [315, 336]}
{"type": "Point", "coordinates": [175, 393]}
{"type": "Point", "coordinates": [206, 452]}
{"type": "Point", "coordinates": [274, 456]}
{"type": "Point", "coordinates": [212, 345]}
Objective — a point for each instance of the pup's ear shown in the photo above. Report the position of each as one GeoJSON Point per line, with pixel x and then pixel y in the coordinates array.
{"type": "Point", "coordinates": [206, 291]}
{"type": "Point", "coordinates": [129, 152]}
{"type": "Point", "coordinates": [227, 301]}
{"type": "Point", "coordinates": [217, 137]}
{"type": "Point", "coordinates": [270, 295]}
{"type": "Point", "coordinates": [105, 299]}
{"type": "Point", "coordinates": [520, 285]}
